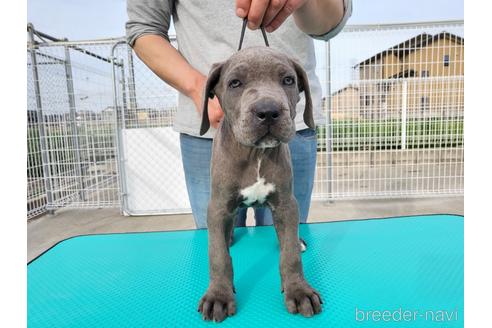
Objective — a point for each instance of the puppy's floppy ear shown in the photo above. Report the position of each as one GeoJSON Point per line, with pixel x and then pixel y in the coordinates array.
{"type": "Point", "coordinates": [212, 79]}
{"type": "Point", "coordinates": [303, 85]}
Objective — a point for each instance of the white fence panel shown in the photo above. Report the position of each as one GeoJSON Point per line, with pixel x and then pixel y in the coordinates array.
{"type": "Point", "coordinates": [154, 173]}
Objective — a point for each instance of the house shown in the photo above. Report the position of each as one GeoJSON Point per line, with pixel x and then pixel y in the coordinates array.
{"type": "Point", "coordinates": [345, 103]}
{"type": "Point", "coordinates": [422, 75]}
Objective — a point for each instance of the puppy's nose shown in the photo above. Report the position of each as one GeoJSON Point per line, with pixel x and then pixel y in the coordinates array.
{"type": "Point", "coordinates": [267, 112]}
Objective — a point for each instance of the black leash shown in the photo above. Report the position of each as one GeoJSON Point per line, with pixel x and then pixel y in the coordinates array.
{"type": "Point", "coordinates": [245, 22]}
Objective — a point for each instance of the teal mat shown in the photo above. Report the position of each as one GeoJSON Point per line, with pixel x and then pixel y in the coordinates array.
{"type": "Point", "coordinates": [411, 267]}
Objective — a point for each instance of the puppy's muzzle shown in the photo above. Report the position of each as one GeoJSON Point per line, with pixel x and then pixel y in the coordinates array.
{"type": "Point", "coordinates": [266, 112]}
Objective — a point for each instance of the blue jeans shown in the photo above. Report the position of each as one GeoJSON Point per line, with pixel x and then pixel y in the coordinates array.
{"type": "Point", "coordinates": [197, 152]}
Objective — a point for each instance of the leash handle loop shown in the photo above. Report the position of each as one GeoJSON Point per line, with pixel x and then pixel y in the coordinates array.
{"type": "Point", "coordinates": [245, 22]}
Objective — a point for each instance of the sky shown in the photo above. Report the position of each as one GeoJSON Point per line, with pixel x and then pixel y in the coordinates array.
{"type": "Point", "coordinates": [89, 19]}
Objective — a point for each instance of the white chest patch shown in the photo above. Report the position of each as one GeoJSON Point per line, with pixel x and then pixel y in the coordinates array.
{"type": "Point", "coordinates": [257, 192]}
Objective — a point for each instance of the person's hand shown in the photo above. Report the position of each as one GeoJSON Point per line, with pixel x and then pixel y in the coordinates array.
{"type": "Point", "coordinates": [269, 13]}
{"type": "Point", "coordinates": [215, 113]}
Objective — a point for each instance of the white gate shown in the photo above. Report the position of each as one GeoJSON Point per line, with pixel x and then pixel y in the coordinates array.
{"type": "Point", "coordinates": [152, 177]}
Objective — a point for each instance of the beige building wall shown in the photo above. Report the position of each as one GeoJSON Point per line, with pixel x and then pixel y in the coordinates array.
{"type": "Point", "coordinates": [368, 92]}
{"type": "Point", "coordinates": [442, 92]}
{"type": "Point", "coordinates": [345, 105]}
{"type": "Point", "coordinates": [392, 65]}
{"type": "Point", "coordinates": [438, 93]}
{"type": "Point", "coordinates": [431, 57]}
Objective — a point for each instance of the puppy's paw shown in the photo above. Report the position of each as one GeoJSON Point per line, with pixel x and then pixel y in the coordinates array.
{"type": "Point", "coordinates": [302, 298]}
{"type": "Point", "coordinates": [217, 304]}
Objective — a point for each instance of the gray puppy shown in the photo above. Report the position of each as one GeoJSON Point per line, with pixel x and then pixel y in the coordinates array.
{"type": "Point", "coordinates": [258, 89]}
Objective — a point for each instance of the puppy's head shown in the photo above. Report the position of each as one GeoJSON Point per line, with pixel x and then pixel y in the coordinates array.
{"type": "Point", "coordinates": [258, 89]}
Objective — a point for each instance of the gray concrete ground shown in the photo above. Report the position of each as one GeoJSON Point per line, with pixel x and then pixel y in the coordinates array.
{"type": "Point", "coordinates": [45, 231]}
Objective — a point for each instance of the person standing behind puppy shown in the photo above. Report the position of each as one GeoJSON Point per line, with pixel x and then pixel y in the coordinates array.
{"type": "Point", "coordinates": [208, 32]}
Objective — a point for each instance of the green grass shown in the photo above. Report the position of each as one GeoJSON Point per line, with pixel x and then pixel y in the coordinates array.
{"type": "Point", "coordinates": [377, 135]}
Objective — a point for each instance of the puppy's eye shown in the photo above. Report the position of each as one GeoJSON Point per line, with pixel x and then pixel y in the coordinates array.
{"type": "Point", "coordinates": [288, 80]}
{"type": "Point", "coordinates": [235, 84]}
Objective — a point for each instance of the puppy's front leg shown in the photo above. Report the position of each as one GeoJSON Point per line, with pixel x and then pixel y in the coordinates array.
{"type": "Point", "coordinates": [300, 297]}
{"type": "Point", "coordinates": [218, 302]}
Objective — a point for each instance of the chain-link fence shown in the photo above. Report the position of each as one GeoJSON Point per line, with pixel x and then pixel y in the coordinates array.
{"type": "Point", "coordinates": [70, 125]}
{"type": "Point", "coordinates": [100, 123]}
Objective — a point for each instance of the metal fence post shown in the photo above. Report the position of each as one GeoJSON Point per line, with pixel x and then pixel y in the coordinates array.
{"type": "Point", "coordinates": [73, 119]}
{"type": "Point", "coordinates": [120, 157]}
{"type": "Point", "coordinates": [404, 115]}
{"type": "Point", "coordinates": [131, 81]}
{"type": "Point", "coordinates": [40, 122]}
{"type": "Point", "coordinates": [329, 147]}
{"type": "Point", "coordinates": [123, 86]}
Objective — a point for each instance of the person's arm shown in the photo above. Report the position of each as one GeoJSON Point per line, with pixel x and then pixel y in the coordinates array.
{"type": "Point", "coordinates": [318, 17]}
{"type": "Point", "coordinates": [322, 19]}
{"type": "Point", "coordinates": [168, 64]}
{"type": "Point", "coordinates": [147, 28]}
